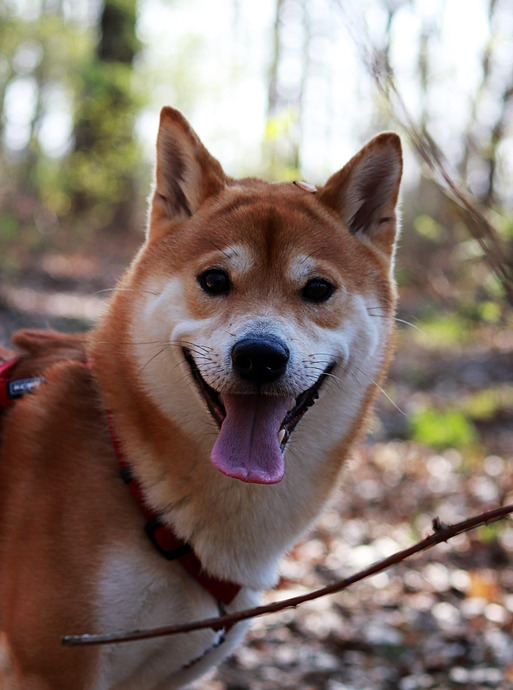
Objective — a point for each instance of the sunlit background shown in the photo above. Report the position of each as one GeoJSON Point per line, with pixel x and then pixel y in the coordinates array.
{"type": "Point", "coordinates": [287, 74]}
{"type": "Point", "coordinates": [291, 89]}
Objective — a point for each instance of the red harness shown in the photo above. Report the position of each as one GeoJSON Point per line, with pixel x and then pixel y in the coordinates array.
{"type": "Point", "coordinates": [161, 535]}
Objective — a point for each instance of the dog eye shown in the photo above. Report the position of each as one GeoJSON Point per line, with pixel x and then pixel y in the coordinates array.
{"type": "Point", "coordinates": [317, 290]}
{"type": "Point", "coordinates": [215, 281]}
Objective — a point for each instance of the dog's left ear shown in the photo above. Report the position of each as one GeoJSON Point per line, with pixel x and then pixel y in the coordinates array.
{"type": "Point", "coordinates": [186, 173]}
{"type": "Point", "coordinates": [365, 192]}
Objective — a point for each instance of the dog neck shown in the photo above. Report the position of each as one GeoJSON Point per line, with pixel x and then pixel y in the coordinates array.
{"type": "Point", "coordinates": [164, 538]}
{"type": "Point", "coordinates": [161, 535]}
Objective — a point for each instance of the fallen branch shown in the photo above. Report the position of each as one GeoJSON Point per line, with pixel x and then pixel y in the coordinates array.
{"type": "Point", "coordinates": [441, 533]}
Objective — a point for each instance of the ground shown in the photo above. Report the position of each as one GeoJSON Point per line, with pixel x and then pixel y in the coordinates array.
{"type": "Point", "coordinates": [440, 620]}
{"type": "Point", "coordinates": [441, 446]}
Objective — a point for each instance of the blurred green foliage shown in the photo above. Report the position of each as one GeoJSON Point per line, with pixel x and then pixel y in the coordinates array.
{"type": "Point", "coordinates": [442, 330]}
{"type": "Point", "coordinates": [280, 144]}
{"type": "Point", "coordinates": [99, 175]}
{"type": "Point", "coordinates": [64, 77]}
{"type": "Point", "coordinates": [442, 428]}
{"type": "Point", "coordinates": [456, 424]}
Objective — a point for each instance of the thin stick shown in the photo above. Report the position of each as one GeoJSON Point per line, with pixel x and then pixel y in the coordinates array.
{"type": "Point", "coordinates": [441, 533]}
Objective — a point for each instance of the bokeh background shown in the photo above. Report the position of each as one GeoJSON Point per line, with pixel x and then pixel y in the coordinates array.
{"type": "Point", "coordinates": [291, 89]}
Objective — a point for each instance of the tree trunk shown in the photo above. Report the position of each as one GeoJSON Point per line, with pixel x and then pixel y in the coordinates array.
{"type": "Point", "coordinates": [104, 159]}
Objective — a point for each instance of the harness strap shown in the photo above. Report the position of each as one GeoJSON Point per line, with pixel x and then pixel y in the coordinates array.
{"type": "Point", "coordinates": [164, 538]}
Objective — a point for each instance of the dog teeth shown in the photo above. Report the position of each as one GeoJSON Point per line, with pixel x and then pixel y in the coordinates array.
{"type": "Point", "coordinates": [281, 435]}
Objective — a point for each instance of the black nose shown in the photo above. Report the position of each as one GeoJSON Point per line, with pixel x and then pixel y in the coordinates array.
{"type": "Point", "coordinates": [260, 359]}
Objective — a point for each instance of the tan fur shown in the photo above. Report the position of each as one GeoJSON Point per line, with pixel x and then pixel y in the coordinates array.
{"type": "Point", "coordinates": [73, 554]}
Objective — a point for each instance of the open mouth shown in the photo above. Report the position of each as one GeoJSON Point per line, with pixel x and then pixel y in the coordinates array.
{"type": "Point", "coordinates": [254, 428]}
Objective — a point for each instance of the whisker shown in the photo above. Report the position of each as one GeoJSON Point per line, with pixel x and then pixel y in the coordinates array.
{"type": "Point", "coordinates": [118, 289]}
{"type": "Point", "coordinates": [131, 342]}
{"type": "Point", "coordinates": [334, 378]}
{"type": "Point", "coordinates": [397, 319]}
{"type": "Point", "coordinates": [181, 343]}
{"type": "Point", "coordinates": [313, 362]}
{"type": "Point", "coordinates": [225, 330]}
{"type": "Point", "coordinates": [184, 376]}
{"type": "Point", "coordinates": [382, 390]}
{"type": "Point", "coordinates": [152, 358]}
{"type": "Point", "coordinates": [350, 372]}
{"type": "Point", "coordinates": [409, 324]}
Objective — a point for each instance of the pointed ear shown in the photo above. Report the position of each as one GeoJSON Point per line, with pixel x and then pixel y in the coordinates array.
{"type": "Point", "coordinates": [186, 173]}
{"type": "Point", "coordinates": [365, 192]}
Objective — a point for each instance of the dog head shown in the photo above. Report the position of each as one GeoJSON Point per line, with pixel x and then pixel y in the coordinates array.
{"type": "Point", "coordinates": [250, 301]}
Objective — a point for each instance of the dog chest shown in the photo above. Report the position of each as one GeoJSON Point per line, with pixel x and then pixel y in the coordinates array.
{"type": "Point", "coordinates": [136, 593]}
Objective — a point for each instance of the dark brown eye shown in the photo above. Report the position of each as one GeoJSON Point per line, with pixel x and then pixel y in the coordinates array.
{"type": "Point", "coordinates": [317, 290]}
{"type": "Point", "coordinates": [215, 281]}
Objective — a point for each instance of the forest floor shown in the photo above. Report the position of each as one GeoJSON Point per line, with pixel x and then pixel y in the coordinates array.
{"type": "Point", "coordinates": [443, 619]}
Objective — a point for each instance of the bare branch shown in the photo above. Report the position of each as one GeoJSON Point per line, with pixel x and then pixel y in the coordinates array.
{"type": "Point", "coordinates": [441, 533]}
{"type": "Point", "coordinates": [494, 250]}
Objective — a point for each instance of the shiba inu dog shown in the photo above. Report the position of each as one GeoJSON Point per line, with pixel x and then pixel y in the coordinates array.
{"type": "Point", "coordinates": [162, 465]}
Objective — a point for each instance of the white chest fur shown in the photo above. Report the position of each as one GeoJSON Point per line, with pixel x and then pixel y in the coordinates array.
{"type": "Point", "coordinates": [140, 591]}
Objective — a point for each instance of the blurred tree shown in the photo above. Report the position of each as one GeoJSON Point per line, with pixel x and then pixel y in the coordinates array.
{"type": "Point", "coordinates": [67, 111]}
{"type": "Point", "coordinates": [103, 166]}
{"type": "Point", "coordinates": [287, 82]}
{"type": "Point", "coordinates": [41, 51]}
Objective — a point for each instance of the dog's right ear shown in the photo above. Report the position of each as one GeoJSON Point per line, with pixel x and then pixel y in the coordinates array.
{"type": "Point", "coordinates": [186, 173]}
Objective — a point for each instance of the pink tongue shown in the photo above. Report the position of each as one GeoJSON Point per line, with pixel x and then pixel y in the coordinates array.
{"type": "Point", "coordinates": [247, 447]}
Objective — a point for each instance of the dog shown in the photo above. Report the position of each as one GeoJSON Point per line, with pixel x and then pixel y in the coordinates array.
{"type": "Point", "coordinates": [158, 467]}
